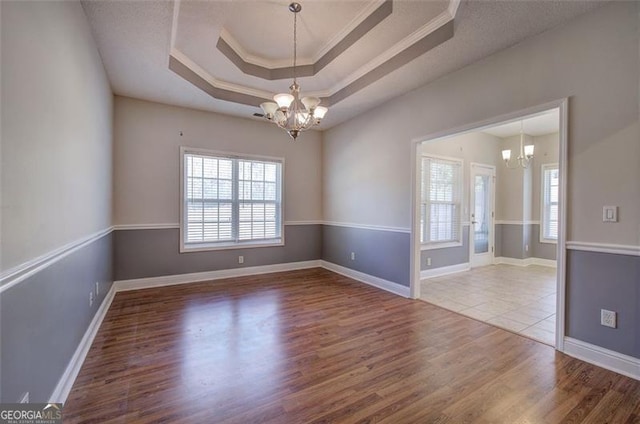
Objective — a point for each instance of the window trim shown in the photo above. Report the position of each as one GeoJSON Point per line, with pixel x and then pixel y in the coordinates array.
{"type": "Point", "coordinates": [450, 243]}
{"type": "Point", "coordinates": [249, 244]}
{"type": "Point", "coordinates": [543, 168]}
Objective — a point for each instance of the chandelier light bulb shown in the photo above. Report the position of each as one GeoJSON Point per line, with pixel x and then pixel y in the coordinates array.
{"type": "Point", "coordinates": [269, 109]}
{"type": "Point", "coordinates": [506, 155]}
{"type": "Point", "coordinates": [283, 100]}
{"type": "Point", "coordinates": [528, 151]}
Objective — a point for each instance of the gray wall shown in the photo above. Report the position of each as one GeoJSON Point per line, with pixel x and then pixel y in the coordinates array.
{"type": "Point", "coordinates": [604, 281]}
{"type": "Point", "coordinates": [447, 256]}
{"type": "Point", "coordinates": [153, 253]}
{"type": "Point", "coordinates": [56, 175]}
{"type": "Point", "coordinates": [512, 240]}
{"type": "Point", "coordinates": [43, 319]}
{"type": "Point", "coordinates": [383, 254]}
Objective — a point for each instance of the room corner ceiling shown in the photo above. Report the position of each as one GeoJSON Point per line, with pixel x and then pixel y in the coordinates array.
{"type": "Point", "coordinates": [229, 56]}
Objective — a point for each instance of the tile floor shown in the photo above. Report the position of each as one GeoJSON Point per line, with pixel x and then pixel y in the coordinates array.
{"type": "Point", "coordinates": [518, 299]}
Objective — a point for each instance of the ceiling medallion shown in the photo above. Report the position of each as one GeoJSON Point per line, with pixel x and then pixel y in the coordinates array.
{"type": "Point", "coordinates": [290, 112]}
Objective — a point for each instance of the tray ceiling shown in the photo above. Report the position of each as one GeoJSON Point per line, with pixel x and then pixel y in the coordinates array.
{"type": "Point", "coordinates": [229, 56]}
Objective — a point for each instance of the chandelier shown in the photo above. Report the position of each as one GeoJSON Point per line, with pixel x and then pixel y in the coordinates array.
{"type": "Point", "coordinates": [525, 155]}
{"type": "Point", "coordinates": [290, 112]}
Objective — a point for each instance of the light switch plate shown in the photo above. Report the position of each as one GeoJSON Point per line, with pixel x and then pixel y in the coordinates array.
{"type": "Point", "coordinates": [609, 214]}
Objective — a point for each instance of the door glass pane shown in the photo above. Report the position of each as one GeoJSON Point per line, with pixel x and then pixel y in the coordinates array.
{"type": "Point", "coordinates": [481, 214]}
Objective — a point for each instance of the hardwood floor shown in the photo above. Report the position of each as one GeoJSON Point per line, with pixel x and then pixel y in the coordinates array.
{"type": "Point", "coordinates": [312, 346]}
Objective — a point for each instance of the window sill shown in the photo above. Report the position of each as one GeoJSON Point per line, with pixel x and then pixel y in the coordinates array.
{"type": "Point", "coordinates": [446, 245]}
{"type": "Point", "coordinates": [203, 247]}
{"type": "Point", "coordinates": [548, 241]}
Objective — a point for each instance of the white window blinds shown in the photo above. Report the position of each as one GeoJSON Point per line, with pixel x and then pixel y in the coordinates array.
{"type": "Point", "coordinates": [550, 186]}
{"type": "Point", "coordinates": [441, 198]}
{"type": "Point", "coordinates": [231, 200]}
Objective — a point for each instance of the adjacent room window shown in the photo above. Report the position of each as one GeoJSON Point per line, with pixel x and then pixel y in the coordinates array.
{"type": "Point", "coordinates": [550, 185]}
{"type": "Point", "coordinates": [230, 200]}
{"type": "Point", "coordinates": [440, 217]}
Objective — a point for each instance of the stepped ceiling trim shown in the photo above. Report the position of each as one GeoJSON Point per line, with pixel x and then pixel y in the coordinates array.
{"type": "Point", "coordinates": [263, 69]}
{"type": "Point", "coordinates": [427, 37]}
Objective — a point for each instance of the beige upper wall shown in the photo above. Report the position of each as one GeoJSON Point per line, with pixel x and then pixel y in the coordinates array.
{"type": "Point", "coordinates": [471, 147]}
{"type": "Point", "coordinates": [56, 130]}
{"type": "Point", "coordinates": [593, 60]}
{"type": "Point", "coordinates": [513, 204]}
{"type": "Point", "coordinates": [147, 159]}
{"type": "Point", "coordinates": [546, 151]}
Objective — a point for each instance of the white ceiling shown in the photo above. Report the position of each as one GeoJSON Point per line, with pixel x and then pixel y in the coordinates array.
{"type": "Point", "coordinates": [135, 39]}
{"type": "Point", "coordinates": [541, 124]}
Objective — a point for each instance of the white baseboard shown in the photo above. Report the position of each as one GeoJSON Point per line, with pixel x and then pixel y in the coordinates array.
{"type": "Point", "coordinates": [170, 280]}
{"type": "Point", "coordinates": [605, 358]}
{"type": "Point", "coordinates": [525, 262]}
{"type": "Point", "coordinates": [444, 270]}
{"type": "Point", "coordinates": [65, 383]}
{"type": "Point", "coordinates": [371, 280]}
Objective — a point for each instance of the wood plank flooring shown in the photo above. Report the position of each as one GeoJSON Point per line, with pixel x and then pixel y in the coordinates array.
{"type": "Point", "coordinates": [312, 346]}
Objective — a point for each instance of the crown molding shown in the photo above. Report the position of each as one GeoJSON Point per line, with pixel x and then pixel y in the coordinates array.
{"type": "Point", "coordinates": [251, 59]}
{"type": "Point", "coordinates": [422, 32]}
{"type": "Point", "coordinates": [433, 33]}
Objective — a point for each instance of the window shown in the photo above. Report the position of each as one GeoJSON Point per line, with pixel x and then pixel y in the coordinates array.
{"type": "Point", "coordinates": [230, 201]}
{"type": "Point", "coordinates": [550, 180]}
{"type": "Point", "coordinates": [440, 204]}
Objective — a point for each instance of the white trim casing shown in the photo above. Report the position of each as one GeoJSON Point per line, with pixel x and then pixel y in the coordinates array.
{"type": "Point", "coordinates": [444, 270]}
{"type": "Point", "coordinates": [562, 105]}
{"type": "Point", "coordinates": [445, 245]}
{"type": "Point", "coordinates": [450, 243]}
{"type": "Point", "coordinates": [235, 243]}
{"type": "Point", "coordinates": [605, 358]}
{"type": "Point", "coordinates": [25, 270]}
{"type": "Point", "coordinates": [507, 222]}
{"type": "Point", "coordinates": [62, 389]}
{"type": "Point", "coordinates": [526, 262]}
{"type": "Point", "coordinates": [371, 280]}
{"type": "Point", "coordinates": [491, 253]}
{"type": "Point", "coordinates": [367, 227]}
{"type": "Point", "coordinates": [616, 249]}
{"type": "Point", "coordinates": [543, 169]}
{"type": "Point", "coordinates": [196, 277]}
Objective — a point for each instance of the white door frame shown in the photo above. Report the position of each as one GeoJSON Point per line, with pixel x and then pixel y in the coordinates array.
{"type": "Point", "coordinates": [563, 106]}
{"type": "Point", "coordinates": [492, 239]}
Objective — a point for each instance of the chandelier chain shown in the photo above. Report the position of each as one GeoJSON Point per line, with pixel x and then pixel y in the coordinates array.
{"type": "Point", "coordinates": [295, 44]}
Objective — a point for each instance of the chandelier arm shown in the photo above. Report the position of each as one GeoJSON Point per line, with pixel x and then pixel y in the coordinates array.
{"type": "Point", "coordinates": [290, 115]}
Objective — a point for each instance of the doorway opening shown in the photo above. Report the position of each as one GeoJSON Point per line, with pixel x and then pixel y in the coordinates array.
{"type": "Point", "coordinates": [489, 232]}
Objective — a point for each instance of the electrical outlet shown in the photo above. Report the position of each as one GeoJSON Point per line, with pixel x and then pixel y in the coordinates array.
{"type": "Point", "coordinates": [24, 398]}
{"type": "Point", "coordinates": [240, 259]}
{"type": "Point", "coordinates": [428, 261]}
{"type": "Point", "coordinates": [608, 318]}
{"type": "Point", "coordinates": [353, 256]}
{"type": "Point", "coordinates": [90, 298]}
{"type": "Point", "coordinates": [97, 288]}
